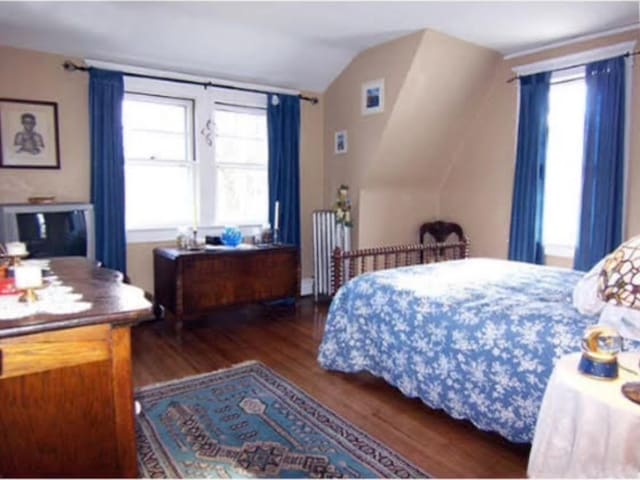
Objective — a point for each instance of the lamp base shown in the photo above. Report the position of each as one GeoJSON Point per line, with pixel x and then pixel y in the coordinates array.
{"type": "Point", "coordinates": [601, 369]}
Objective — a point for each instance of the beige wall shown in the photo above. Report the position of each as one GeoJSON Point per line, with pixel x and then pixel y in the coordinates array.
{"type": "Point", "coordinates": [342, 111]}
{"type": "Point", "coordinates": [392, 216]}
{"type": "Point", "coordinates": [397, 160]}
{"type": "Point", "coordinates": [477, 191]}
{"type": "Point", "coordinates": [445, 146]}
{"type": "Point", "coordinates": [140, 263]}
{"type": "Point", "coordinates": [564, 262]}
{"type": "Point", "coordinates": [34, 75]}
{"type": "Point", "coordinates": [311, 174]}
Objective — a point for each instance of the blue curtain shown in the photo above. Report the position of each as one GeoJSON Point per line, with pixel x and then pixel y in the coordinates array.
{"type": "Point", "coordinates": [525, 239]}
{"type": "Point", "coordinates": [283, 124]}
{"type": "Point", "coordinates": [603, 164]}
{"type": "Point", "coordinates": [106, 92]}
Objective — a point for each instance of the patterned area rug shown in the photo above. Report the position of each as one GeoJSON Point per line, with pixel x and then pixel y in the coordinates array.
{"type": "Point", "coordinates": [248, 421]}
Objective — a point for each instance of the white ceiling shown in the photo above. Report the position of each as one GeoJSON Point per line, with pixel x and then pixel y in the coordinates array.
{"type": "Point", "coordinates": [301, 45]}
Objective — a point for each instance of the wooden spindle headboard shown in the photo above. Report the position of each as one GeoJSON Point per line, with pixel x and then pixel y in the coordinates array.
{"type": "Point", "coordinates": [349, 264]}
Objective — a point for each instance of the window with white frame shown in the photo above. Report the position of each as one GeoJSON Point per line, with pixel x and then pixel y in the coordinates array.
{"type": "Point", "coordinates": [563, 169]}
{"type": "Point", "coordinates": [160, 169]}
{"type": "Point", "coordinates": [193, 157]}
{"type": "Point", "coordinates": [564, 155]}
{"type": "Point", "coordinates": [241, 159]}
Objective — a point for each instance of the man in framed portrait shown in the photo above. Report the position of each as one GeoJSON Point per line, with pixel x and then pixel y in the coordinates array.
{"type": "Point", "coordinates": [28, 140]}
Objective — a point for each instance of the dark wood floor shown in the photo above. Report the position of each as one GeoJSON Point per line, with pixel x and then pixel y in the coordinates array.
{"type": "Point", "coordinates": [287, 341]}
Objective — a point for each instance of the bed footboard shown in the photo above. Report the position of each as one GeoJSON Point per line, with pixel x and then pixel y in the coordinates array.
{"type": "Point", "coordinates": [346, 265]}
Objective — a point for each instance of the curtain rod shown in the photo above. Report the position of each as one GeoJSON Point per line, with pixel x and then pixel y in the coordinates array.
{"type": "Point", "coordinates": [628, 54]}
{"type": "Point", "coordinates": [72, 67]}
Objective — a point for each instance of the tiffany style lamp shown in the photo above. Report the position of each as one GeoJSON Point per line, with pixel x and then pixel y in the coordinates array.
{"type": "Point", "coordinates": [619, 284]}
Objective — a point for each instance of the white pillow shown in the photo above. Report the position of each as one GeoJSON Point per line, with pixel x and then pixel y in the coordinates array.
{"type": "Point", "coordinates": [585, 293]}
{"type": "Point", "coordinates": [625, 320]}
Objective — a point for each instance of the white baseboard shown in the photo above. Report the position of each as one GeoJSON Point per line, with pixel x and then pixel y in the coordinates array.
{"type": "Point", "coordinates": [306, 286]}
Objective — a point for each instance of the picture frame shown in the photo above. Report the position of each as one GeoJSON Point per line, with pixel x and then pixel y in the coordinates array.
{"type": "Point", "coordinates": [29, 136]}
{"type": "Point", "coordinates": [340, 142]}
{"type": "Point", "coordinates": [373, 97]}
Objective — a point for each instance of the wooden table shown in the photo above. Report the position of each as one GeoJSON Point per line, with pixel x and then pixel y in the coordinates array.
{"type": "Point", "coordinates": [188, 284]}
{"type": "Point", "coordinates": [65, 382]}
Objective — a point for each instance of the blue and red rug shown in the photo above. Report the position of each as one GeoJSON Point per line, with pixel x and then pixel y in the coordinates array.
{"type": "Point", "coordinates": [248, 421]}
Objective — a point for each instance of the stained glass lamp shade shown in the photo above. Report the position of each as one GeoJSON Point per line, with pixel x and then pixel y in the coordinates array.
{"type": "Point", "coordinates": [619, 281]}
{"type": "Point", "coordinates": [619, 284]}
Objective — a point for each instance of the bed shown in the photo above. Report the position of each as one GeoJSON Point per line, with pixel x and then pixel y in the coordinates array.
{"type": "Point", "coordinates": [477, 338]}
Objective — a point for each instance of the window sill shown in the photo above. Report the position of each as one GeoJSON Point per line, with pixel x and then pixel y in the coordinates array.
{"type": "Point", "coordinates": [562, 251]}
{"type": "Point", "coordinates": [169, 234]}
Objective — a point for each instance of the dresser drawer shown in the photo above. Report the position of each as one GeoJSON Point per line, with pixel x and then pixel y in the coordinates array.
{"type": "Point", "coordinates": [40, 352]}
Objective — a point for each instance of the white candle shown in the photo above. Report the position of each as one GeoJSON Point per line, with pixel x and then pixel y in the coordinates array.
{"type": "Point", "coordinates": [27, 277]}
{"type": "Point", "coordinates": [195, 215]}
{"type": "Point", "coordinates": [276, 221]}
{"type": "Point", "coordinates": [16, 248]}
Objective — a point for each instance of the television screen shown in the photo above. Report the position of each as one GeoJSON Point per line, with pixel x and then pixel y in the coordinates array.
{"type": "Point", "coordinates": [53, 234]}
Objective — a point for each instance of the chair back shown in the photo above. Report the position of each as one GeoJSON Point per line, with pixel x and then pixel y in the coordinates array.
{"type": "Point", "coordinates": [439, 232]}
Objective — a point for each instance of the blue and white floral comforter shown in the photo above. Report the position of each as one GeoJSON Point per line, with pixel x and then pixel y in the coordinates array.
{"type": "Point", "coordinates": [477, 338]}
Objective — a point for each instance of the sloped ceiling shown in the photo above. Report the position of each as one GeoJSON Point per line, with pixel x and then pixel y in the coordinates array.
{"type": "Point", "coordinates": [301, 45]}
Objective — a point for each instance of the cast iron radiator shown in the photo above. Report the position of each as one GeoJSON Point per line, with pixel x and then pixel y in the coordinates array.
{"type": "Point", "coordinates": [327, 235]}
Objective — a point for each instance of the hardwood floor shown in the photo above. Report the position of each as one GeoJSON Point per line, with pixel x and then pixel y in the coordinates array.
{"type": "Point", "coordinates": [287, 341]}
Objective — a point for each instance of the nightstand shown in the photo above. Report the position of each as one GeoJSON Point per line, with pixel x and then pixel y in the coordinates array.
{"type": "Point", "coordinates": [586, 427]}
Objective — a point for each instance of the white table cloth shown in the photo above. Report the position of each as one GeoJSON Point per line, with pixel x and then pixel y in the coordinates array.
{"type": "Point", "coordinates": [586, 427]}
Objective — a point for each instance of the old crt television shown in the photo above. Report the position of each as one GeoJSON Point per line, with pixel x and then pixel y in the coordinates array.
{"type": "Point", "coordinates": [50, 230]}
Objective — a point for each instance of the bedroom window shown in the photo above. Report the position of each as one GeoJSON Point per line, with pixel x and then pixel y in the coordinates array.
{"type": "Point", "coordinates": [160, 168]}
{"type": "Point", "coordinates": [241, 156]}
{"type": "Point", "coordinates": [193, 156]}
{"type": "Point", "coordinates": [563, 177]}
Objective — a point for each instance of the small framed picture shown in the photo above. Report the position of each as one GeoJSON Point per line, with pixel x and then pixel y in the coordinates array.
{"type": "Point", "coordinates": [341, 142]}
{"type": "Point", "coordinates": [373, 97]}
{"type": "Point", "coordinates": [29, 134]}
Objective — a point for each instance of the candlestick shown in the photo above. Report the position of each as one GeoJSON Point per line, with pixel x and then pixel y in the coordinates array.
{"type": "Point", "coordinates": [195, 238]}
{"type": "Point", "coordinates": [276, 221]}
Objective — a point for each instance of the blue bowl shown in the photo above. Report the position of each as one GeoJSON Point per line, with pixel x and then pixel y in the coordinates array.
{"type": "Point", "coordinates": [231, 236]}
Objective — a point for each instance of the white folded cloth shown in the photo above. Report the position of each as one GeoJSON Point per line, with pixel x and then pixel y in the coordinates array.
{"type": "Point", "coordinates": [625, 320]}
{"type": "Point", "coordinates": [585, 293]}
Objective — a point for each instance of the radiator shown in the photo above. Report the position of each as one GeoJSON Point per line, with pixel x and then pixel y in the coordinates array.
{"type": "Point", "coordinates": [327, 235]}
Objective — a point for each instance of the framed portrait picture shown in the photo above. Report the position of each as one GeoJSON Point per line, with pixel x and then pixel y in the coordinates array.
{"type": "Point", "coordinates": [341, 142]}
{"type": "Point", "coordinates": [29, 134]}
{"type": "Point", "coordinates": [373, 97]}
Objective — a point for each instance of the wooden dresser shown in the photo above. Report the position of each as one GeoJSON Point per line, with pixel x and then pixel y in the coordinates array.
{"type": "Point", "coordinates": [188, 284]}
{"type": "Point", "coordinates": [65, 382]}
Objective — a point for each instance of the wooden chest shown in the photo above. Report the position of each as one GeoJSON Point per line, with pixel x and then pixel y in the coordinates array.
{"type": "Point", "coordinates": [189, 284]}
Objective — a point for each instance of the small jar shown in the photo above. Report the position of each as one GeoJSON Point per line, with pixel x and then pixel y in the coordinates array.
{"type": "Point", "coordinates": [267, 235]}
{"type": "Point", "coordinates": [182, 240]}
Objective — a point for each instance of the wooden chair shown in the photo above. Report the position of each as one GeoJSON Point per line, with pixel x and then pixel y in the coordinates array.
{"type": "Point", "coordinates": [442, 232]}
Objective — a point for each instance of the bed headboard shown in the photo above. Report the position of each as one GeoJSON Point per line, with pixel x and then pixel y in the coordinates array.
{"type": "Point", "coordinates": [346, 265]}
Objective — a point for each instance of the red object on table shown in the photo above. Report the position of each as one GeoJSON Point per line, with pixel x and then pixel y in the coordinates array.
{"type": "Point", "coordinates": [7, 286]}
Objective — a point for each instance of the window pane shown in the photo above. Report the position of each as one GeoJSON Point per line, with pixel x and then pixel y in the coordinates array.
{"type": "Point", "coordinates": [241, 124]}
{"type": "Point", "coordinates": [242, 196]}
{"type": "Point", "coordinates": [241, 150]}
{"type": "Point", "coordinates": [158, 195]}
{"type": "Point", "coordinates": [150, 115]}
{"type": "Point", "coordinates": [563, 173]}
{"type": "Point", "coordinates": [140, 144]}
